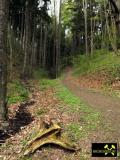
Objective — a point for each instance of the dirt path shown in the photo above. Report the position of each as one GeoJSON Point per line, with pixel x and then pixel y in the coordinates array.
{"type": "Point", "coordinates": [108, 106]}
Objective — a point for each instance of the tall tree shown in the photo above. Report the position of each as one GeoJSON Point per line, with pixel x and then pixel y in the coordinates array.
{"type": "Point", "coordinates": [3, 58]}
{"type": "Point", "coordinates": [28, 32]}
{"type": "Point", "coordinates": [85, 5]}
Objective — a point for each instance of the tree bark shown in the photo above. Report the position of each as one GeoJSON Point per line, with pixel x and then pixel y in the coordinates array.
{"type": "Point", "coordinates": [58, 42]}
{"type": "Point", "coordinates": [86, 25]}
{"type": "Point", "coordinates": [41, 44]}
{"type": "Point", "coordinates": [10, 33]}
{"type": "Point", "coordinates": [91, 25]}
{"type": "Point", "coordinates": [110, 31]}
{"type": "Point", "coordinates": [44, 50]}
{"type": "Point", "coordinates": [28, 30]}
{"type": "Point", "coordinates": [3, 58]}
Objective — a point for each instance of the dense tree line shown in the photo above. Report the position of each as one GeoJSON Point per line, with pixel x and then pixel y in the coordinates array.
{"type": "Point", "coordinates": [91, 25]}
{"type": "Point", "coordinates": [37, 39]}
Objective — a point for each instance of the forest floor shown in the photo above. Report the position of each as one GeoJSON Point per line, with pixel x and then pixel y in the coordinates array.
{"type": "Point", "coordinates": [95, 118]}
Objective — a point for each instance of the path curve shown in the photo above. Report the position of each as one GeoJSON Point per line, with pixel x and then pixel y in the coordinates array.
{"type": "Point", "coordinates": [109, 106]}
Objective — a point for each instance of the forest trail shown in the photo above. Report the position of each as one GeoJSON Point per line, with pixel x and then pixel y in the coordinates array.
{"type": "Point", "coordinates": [108, 106]}
{"type": "Point", "coordinates": [27, 119]}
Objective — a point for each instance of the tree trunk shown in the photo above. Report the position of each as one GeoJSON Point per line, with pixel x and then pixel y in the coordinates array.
{"type": "Point", "coordinates": [22, 27]}
{"type": "Point", "coordinates": [111, 31]}
{"type": "Point", "coordinates": [58, 42]}
{"type": "Point", "coordinates": [41, 44]}
{"type": "Point", "coordinates": [28, 30]}
{"type": "Point", "coordinates": [91, 25]}
{"type": "Point", "coordinates": [32, 63]}
{"type": "Point", "coordinates": [3, 58]}
{"type": "Point", "coordinates": [10, 32]}
{"type": "Point", "coordinates": [44, 50]}
{"type": "Point", "coordinates": [86, 27]}
{"type": "Point", "coordinates": [54, 67]}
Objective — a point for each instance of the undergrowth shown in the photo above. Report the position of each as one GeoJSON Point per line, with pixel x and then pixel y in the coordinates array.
{"type": "Point", "coordinates": [17, 92]}
{"type": "Point", "coordinates": [100, 60]}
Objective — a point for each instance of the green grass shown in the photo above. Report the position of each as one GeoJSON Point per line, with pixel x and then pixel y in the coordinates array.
{"type": "Point", "coordinates": [89, 118]}
{"type": "Point", "coordinates": [44, 82]}
{"type": "Point", "coordinates": [101, 60]}
{"type": "Point", "coordinates": [64, 94]}
{"type": "Point", "coordinates": [75, 104]}
{"type": "Point", "coordinates": [75, 131]}
{"type": "Point", "coordinates": [88, 123]}
{"type": "Point", "coordinates": [47, 83]}
{"type": "Point", "coordinates": [17, 92]}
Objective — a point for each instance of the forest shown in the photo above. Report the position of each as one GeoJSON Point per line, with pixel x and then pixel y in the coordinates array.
{"type": "Point", "coordinates": [59, 78]}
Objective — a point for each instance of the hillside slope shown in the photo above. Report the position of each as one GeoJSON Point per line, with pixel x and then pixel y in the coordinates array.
{"type": "Point", "coordinates": [101, 72]}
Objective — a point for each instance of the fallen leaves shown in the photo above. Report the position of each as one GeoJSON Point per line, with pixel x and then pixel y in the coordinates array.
{"type": "Point", "coordinates": [46, 101]}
